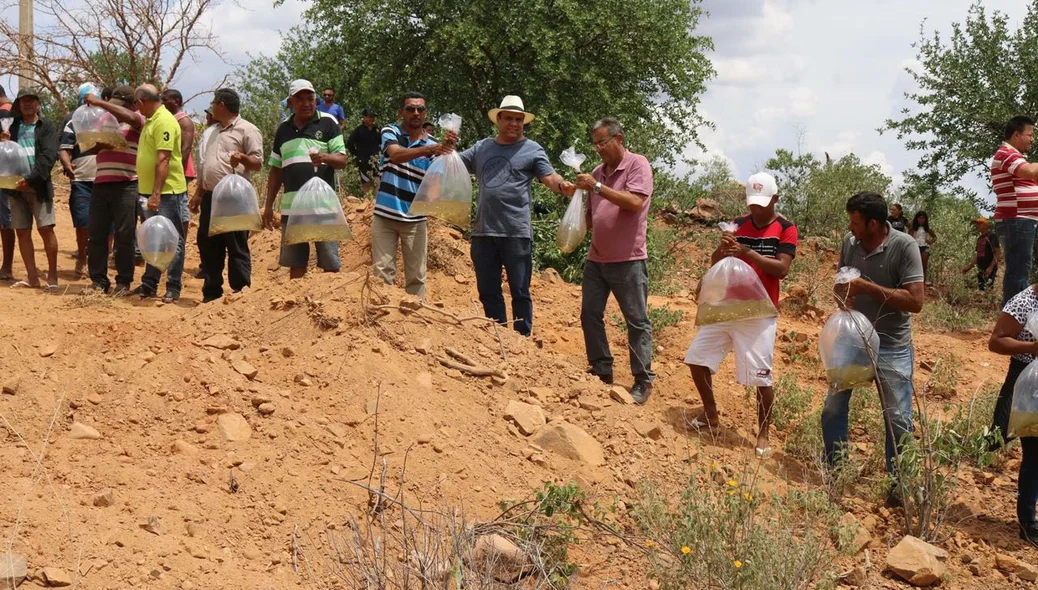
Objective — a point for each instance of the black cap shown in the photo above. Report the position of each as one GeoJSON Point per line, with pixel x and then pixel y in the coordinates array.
{"type": "Point", "coordinates": [368, 112]}
{"type": "Point", "coordinates": [123, 94]}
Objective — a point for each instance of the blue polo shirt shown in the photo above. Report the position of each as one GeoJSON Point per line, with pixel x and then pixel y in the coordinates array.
{"type": "Point", "coordinates": [334, 110]}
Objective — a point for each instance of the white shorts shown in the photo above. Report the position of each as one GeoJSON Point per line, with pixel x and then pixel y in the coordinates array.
{"type": "Point", "coordinates": [754, 343]}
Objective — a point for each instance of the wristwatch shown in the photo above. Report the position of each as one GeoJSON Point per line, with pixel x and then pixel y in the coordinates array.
{"type": "Point", "coordinates": [598, 188]}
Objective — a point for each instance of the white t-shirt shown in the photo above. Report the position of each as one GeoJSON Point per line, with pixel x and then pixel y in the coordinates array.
{"type": "Point", "coordinates": [920, 236]}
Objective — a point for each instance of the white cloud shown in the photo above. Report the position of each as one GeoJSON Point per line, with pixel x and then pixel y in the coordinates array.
{"type": "Point", "coordinates": [802, 101]}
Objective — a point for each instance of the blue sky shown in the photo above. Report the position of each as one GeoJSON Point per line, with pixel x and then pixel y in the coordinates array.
{"type": "Point", "coordinates": [818, 75]}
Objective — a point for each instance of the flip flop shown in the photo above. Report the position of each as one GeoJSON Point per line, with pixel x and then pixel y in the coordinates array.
{"type": "Point", "coordinates": [23, 285]}
{"type": "Point", "coordinates": [51, 288]}
{"type": "Point", "coordinates": [698, 424]}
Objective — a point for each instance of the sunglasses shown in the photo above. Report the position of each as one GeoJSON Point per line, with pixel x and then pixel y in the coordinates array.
{"type": "Point", "coordinates": [327, 94]}
{"type": "Point", "coordinates": [415, 109]}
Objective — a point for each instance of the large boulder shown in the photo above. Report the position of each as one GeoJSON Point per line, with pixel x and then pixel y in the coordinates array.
{"type": "Point", "coordinates": [917, 562]}
{"type": "Point", "coordinates": [570, 441]}
{"type": "Point", "coordinates": [1012, 565]}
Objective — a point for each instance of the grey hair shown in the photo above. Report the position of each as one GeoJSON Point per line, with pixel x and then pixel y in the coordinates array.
{"type": "Point", "coordinates": [611, 125]}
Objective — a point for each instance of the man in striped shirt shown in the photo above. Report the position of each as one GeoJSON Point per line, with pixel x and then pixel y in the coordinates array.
{"type": "Point", "coordinates": [1016, 203]}
{"type": "Point", "coordinates": [292, 164]}
{"type": "Point", "coordinates": [407, 152]}
{"type": "Point", "coordinates": [113, 199]}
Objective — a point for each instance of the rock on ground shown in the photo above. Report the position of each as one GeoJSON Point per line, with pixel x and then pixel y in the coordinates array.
{"type": "Point", "coordinates": [917, 562]}
{"type": "Point", "coordinates": [854, 535]}
{"type": "Point", "coordinates": [1012, 565]}
{"type": "Point", "coordinates": [501, 558]}
{"type": "Point", "coordinates": [13, 570]}
{"type": "Point", "coordinates": [527, 417]}
{"type": "Point", "coordinates": [56, 577]}
{"type": "Point", "coordinates": [233, 427]}
{"type": "Point", "coordinates": [80, 431]}
{"type": "Point", "coordinates": [105, 498]}
{"type": "Point", "coordinates": [570, 441]}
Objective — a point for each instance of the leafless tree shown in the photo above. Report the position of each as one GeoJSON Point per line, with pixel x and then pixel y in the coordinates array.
{"type": "Point", "coordinates": [110, 42]}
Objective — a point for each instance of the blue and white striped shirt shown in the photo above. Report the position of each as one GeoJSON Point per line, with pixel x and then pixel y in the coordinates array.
{"type": "Point", "coordinates": [400, 182]}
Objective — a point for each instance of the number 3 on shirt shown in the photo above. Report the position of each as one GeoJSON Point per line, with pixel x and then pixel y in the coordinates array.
{"type": "Point", "coordinates": [165, 136]}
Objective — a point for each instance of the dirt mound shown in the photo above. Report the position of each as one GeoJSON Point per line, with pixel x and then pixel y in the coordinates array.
{"type": "Point", "coordinates": [229, 434]}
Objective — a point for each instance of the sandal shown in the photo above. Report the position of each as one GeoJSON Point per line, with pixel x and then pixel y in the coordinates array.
{"type": "Point", "coordinates": [49, 288]}
{"type": "Point", "coordinates": [700, 422]}
{"type": "Point", "coordinates": [24, 285]}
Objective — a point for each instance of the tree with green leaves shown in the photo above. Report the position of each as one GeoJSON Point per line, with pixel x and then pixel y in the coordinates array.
{"type": "Point", "coordinates": [814, 194]}
{"type": "Point", "coordinates": [572, 62]}
{"type": "Point", "coordinates": [968, 87]}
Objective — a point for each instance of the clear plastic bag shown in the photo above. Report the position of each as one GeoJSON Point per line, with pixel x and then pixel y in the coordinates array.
{"type": "Point", "coordinates": [234, 206]}
{"type": "Point", "coordinates": [158, 239]}
{"type": "Point", "coordinates": [14, 160]}
{"type": "Point", "coordinates": [731, 291]}
{"type": "Point", "coordinates": [573, 226]}
{"type": "Point", "coordinates": [446, 189]}
{"type": "Point", "coordinates": [94, 125]}
{"type": "Point", "coordinates": [848, 344]}
{"type": "Point", "coordinates": [1023, 418]}
{"type": "Point", "coordinates": [316, 215]}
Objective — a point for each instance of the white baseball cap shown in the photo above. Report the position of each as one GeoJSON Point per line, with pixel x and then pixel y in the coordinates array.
{"type": "Point", "coordinates": [760, 189]}
{"type": "Point", "coordinates": [298, 86]}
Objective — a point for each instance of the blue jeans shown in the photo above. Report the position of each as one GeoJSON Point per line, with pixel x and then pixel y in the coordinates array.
{"type": "Point", "coordinates": [516, 256]}
{"type": "Point", "coordinates": [169, 207]}
{"type": "Point", "coordinates": [894, 381]}
{"type": "Point", "coordinates": [1017, 239]}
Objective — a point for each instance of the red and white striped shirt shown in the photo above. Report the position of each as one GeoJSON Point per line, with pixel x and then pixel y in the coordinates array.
{"type": "Point", "coordinates": [1015, 196]}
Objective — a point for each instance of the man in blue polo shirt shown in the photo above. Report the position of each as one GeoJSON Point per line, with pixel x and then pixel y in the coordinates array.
{"type": "Point", "coordinates": [407, 151]}
{"type": "Point", "coordinates": [328, 106]}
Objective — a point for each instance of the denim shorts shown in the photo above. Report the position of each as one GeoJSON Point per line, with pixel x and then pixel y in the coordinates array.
{"type": "Point", "coordinates": [79, 203]}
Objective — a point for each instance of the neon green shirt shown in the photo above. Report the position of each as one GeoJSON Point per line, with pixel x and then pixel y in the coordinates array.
{"type": "Point", "coordinates": [161, 132]}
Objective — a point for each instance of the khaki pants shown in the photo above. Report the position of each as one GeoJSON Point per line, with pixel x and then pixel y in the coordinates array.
{"type": "Point", "coordinates": [413, 239]}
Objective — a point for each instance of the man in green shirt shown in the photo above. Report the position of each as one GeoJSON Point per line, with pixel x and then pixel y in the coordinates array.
{"type": "Point", "coordinates": [161, 183]}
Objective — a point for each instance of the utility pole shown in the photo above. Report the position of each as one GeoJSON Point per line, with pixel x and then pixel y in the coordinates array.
{"type": "Point", "coordinates": [25, 45]}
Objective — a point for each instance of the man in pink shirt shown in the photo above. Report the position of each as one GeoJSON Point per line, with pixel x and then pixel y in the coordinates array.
{"type": "Point", "coordinates": [620, 191]}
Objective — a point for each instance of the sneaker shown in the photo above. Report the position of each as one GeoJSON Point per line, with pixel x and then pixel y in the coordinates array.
{"type": "Point", "coordinates": [641, 392]}
{"type": "Point", "coordinates": [121, 291]}
{"type": "Point", "coordinates": [143, 292]}
{"type": "Point", "coordinates": [171, 297]}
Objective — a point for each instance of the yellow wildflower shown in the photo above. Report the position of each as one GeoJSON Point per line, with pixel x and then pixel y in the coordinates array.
{"type": "Point", "coordinates": [738, 564]}
{"type": "Point", "coordinates": [732, 483]}
{"type": "Point", "coordinates": [748, 496]}
{"type": "Point", "coordinates": [649, 543]}
{"type": "Point", "coordinates": [686, 550]}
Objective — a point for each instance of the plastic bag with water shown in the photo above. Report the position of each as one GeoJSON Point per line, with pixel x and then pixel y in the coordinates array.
{"type": "Point", "coordinates": [94, 125]}
{"type": "Point", "coordinates": [14, 160]}
{"type": "Point", "coordinates": [157, 239]}
{"type": "Point", "coordinates": [446, 189]}
{"type": "Point", "coordinates": [848, 344]}
{"type": "Point", "coordinates": [234, 206]}
{"type": "Point", "coordinates": [731, 291]}
{"type": "Point", "coordinates": [316, 215]}
{"type": "Point", "coordinates": [573, 225]}
{"type": "Point", "coordinates": [1023, 417]}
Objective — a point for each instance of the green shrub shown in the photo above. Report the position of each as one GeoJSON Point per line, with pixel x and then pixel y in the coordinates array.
{"type": "Point", "coordinates": [791, 401]}
{"type": "Point", "coordinates": [724, 533]}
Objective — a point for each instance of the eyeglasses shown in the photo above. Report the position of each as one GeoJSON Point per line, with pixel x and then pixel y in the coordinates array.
{"type": "Point", "coordinates": [415, 109]}
{"type": "Point", "coordinates": [601, 144]}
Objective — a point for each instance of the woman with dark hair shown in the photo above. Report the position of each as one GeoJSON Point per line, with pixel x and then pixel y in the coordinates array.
{"type": "Point", "coordinates": [924, 236]}
{"type": "Point", "coordinates": [897, 218]}
{"type": "Point", "coordinates": [1012, 338]}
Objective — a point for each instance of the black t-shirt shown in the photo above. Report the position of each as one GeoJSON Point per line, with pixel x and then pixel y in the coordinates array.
{"type": "Point", "coordinates": [898, 223]}
{"type": "Point", "coordinates": [986, 246]}
{"type": "Point", "coordinates": [364, 143]}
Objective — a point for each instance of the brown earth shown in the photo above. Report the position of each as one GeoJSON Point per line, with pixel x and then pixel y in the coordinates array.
{"type": "Point", "coordinates": [144, 375]}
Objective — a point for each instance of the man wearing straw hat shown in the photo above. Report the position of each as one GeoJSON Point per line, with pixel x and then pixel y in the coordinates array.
{"type": "Point", "coordinates": [235, 146]}
{"type": "Point", "coordinates": [988, 254]}
{"type": "Point", "coordinates": [505, 166]}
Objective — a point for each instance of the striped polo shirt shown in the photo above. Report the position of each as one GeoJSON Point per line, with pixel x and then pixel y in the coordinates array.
{"type": "Point", "coordinates": [400, 182]}
{"type": "Point", "coordinates": [120, 165]}
{"type": "Point", "coordinates": [291, 153]}
{"type": "Point", "coordinates": [1015, 196]}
